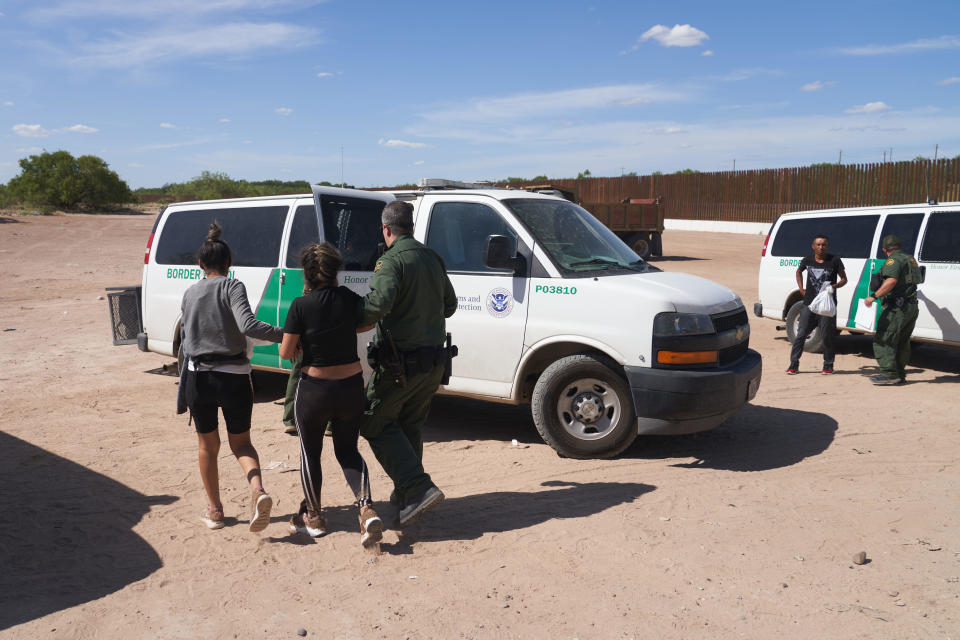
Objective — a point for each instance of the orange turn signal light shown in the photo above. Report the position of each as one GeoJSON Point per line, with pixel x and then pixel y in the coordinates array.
{"type": "Point", "coordinates": [687, 357]}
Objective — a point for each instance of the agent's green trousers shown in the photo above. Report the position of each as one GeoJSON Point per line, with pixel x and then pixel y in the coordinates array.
{"type": "Point", "coordinates": [392, 423]}
{"type": "Point", "coordinates": [891, 344]}
{"type": "Point", "coordinates": [292, 390]}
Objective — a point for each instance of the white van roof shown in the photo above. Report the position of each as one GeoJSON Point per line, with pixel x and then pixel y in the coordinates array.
{"type": "Point", "coordinates": [883, 208]}
{"type": "Point", "coordinates": [432, 186]}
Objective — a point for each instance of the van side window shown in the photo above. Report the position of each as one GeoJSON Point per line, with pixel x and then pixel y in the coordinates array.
{"type": "Point", "coordinates": [941, 241]}
{"type": "Point", "coordinates": [459, 231]}
{"type": "Point", "coordinates": [304, 231]}
{"type": "Point", "coordinates": [253, 234]}
{"type": "Point", "coordinates": [905, 226]}
{"type": "Point", "coordinates": [353, 226]}
{"type": "Point", "coordinates": [849, 236]}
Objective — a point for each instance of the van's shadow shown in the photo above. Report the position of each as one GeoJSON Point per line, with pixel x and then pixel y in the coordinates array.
{"type": "Point", "coordinates": [470, 517]}
{"type": "Point", "coordinates": [66, 537]}
{"type": "Point", "coordinates": [757, 438]}
{"type": "Point", "coordinates": [923, 355]}
{"type": "Point", "coordinates": [452, 418]}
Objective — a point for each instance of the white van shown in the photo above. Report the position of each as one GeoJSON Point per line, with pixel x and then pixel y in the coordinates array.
{"type": "Point", "coordinates": [929, 232]}
{"type": "Point", "coordinates": [554, 309]}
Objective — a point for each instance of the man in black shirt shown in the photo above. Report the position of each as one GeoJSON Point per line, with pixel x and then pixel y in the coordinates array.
{"type": "Point", "coordinates": [821, 268]}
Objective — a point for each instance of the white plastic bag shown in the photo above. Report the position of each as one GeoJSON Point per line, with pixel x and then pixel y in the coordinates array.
{"type": "Point", "coordinates": [823, 304]}
{"type": "Point", "coordinates": [866, 317]}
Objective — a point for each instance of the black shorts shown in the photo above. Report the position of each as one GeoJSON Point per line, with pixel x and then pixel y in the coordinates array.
{"type": "Point", "coordinates": [231, 392]}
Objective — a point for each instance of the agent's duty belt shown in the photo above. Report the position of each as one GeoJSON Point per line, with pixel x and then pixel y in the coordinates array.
{"type": "Point", "coordinates": [901, 301]}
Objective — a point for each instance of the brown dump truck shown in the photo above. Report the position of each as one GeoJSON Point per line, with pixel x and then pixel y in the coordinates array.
{"type": "Point", "coordinates": [636, 221]}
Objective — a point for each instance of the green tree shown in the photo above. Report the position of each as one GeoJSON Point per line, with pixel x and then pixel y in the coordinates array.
{"type": "Point", "coordinates": [583, 174]}
{"type": "Point", "coordinates": [60, 180]}
{"type": "Point", "coordinates": [685, 171]}
{"type": "Point", "coordinates": [539, 179]}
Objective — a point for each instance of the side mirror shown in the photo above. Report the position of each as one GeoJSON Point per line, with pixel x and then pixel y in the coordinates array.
{"type": "Point", "coordinates": [497, 254]}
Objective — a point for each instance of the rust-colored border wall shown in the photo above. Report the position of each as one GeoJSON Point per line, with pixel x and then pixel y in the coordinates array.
{"type": "Point", "coordinates": [762, 195]}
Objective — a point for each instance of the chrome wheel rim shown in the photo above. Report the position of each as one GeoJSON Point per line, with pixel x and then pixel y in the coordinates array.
{"type": "Point", "coordinates": [588, 408]}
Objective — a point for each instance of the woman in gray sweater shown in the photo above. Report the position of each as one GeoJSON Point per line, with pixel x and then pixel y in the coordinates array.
{"type": "Point", "coordinates": [216, 374]}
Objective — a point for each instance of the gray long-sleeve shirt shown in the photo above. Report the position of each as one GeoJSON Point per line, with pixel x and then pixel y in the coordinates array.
{"type": "Point", "coordinates": [217, 316]}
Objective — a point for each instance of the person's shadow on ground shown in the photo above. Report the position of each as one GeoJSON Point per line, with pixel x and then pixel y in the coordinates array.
{"type": "Point", "coordinates": [66, 534]}
{"type": "Point", "coordinates": [470, 517]}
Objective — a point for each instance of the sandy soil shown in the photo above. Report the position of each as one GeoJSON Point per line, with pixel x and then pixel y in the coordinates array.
{"type": "Point", "coordinates": [745, 531]}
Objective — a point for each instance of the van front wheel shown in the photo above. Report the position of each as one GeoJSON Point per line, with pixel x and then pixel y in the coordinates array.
{"type": "Point", "coordinates": [814, 343]}
{"type": "Point", "coordinates": [583, 409]}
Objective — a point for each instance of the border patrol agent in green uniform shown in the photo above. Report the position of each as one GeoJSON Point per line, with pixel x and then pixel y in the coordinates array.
{"type": "Point", "coordinates": [898, 293]}
{"type": "Point", "coordinates": [410, 298]}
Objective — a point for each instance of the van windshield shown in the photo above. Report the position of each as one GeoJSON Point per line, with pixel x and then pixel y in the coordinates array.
{"type": "Point", "coordinates": [577, 242]}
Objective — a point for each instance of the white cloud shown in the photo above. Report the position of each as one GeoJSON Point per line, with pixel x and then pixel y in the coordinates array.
{"type": "Point", "coordinates": [418, 162]}
{"type": "Point", "coordinates": [135, 165]}
{"type": "Point", "coordinates": [29, 150]}
{"type": "Point", "coordinates": [681, 35]}
{"type": "Point", "coordinates": [324, 74]}
{"type": "Point", "coordinates": [30, 131]}
{"type": "Point", "coordinates": [708, 52]}
{"type": "Point", "coordinates": [817, 85]}
{"type": "Point", "coordinates": [870, 107]}
{"type": "Point", "coordinates": [539, 105]}
{"type": "Point", "coordinates": [8, 103]}
{"type": "Point", "coordinates": [231, 40]}
{"type": "Point", "coordinates": [224, 119]}
{"type": "Point", "coordinates": [247, 142]}
{"type": "Point", "coordinates": [167, 125]}
{"type": "Point", "coordinates": [953, 80]}
{"type": "Point", "coordinates": [403, 144]}
{"type": "Point", "coordinates": [37, 131]}
{"type": "Point", "coordinates": [917, 46]}
{"type": "Point", "coordinates": [283, 111]}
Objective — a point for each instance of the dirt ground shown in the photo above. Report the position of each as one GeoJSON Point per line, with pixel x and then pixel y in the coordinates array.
{"type": "Point", "coordinates": [747, 531]}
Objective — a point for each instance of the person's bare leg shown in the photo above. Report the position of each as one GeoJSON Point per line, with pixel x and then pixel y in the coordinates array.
{"type": "Point", "coordinates": [247, 456]}
{"type": "Point", "coordinates": [209, 450]}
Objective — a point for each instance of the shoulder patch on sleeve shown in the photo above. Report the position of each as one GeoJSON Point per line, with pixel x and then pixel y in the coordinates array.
{"type": "Point", "coordinates": [889, 262]}
{"type": "Point", "coordinates": [378, 266]}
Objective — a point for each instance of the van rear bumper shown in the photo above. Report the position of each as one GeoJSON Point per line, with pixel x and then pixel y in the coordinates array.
{"type": "Point", "coordinates": [669, 401]}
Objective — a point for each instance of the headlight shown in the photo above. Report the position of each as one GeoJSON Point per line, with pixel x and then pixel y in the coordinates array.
{"type": "Point", "coordinates": [682, 324]}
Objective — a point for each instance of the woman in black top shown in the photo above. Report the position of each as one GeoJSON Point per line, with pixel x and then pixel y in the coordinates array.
{"type": "Point", "coordinates": [323, 321]}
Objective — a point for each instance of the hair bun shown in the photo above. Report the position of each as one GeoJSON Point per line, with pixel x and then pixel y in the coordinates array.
{"type": "Point", "coordinates": [213, 235]}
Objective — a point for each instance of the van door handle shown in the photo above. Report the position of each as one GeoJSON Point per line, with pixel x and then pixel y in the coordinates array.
{"type": "Point", "coordinates": [283, 277]}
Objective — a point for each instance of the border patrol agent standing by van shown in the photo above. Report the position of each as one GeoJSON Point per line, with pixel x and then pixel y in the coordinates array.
{"type": "Point", "coordinates": [410, 298]}
{"type": "Point", "coordinates": [900, 276]}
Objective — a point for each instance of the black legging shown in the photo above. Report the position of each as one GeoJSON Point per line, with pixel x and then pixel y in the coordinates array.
{"type": "Point", "coordinates": [341, 403]}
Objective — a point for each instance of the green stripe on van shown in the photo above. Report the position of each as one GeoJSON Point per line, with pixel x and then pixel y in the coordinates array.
{"type": "Point", "coordinates": [870, 267]}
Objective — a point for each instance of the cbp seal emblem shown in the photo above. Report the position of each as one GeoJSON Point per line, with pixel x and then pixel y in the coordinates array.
{"type": "Point", "coordinates": [499, 303]}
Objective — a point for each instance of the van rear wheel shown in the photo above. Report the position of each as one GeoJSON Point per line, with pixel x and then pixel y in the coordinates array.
{"type": "Point", "coordinates": [814, 343]}
{"type": "Point", "coordinates": [582, 407]}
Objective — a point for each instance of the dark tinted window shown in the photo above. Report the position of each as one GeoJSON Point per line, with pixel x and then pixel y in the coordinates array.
{"type": "Point", "coordinates": [353, 226]}
{"type": "Point", "coordinates": [905, 226]}
{"type": "Point", "coordinates": [459, 231]}
{"type": "Point", "coordinates": [252, 233]}
{"type": "Point", "coordinates": [941, 242]}
{"type": "Point", "coordinates": [303, 232]}
{"type": "Point", "coordinates": [849, 236]}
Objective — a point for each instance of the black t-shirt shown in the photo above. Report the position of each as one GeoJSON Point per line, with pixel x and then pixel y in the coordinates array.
{"type": "Point", "coordinates": [819, 273]}
{"type": "Point", "coordinates": [326, 321]}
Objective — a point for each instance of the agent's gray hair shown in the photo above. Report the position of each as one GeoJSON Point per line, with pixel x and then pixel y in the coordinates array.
{"type": "Point", "coordinates": [398, 217]}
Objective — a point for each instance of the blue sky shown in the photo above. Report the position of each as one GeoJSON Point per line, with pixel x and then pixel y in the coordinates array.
{"type": "Point", "coordinates": [274, 88]}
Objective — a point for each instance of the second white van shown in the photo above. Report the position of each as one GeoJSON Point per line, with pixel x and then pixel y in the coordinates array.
{"type": "Point", "coordinates": [929, 232]}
